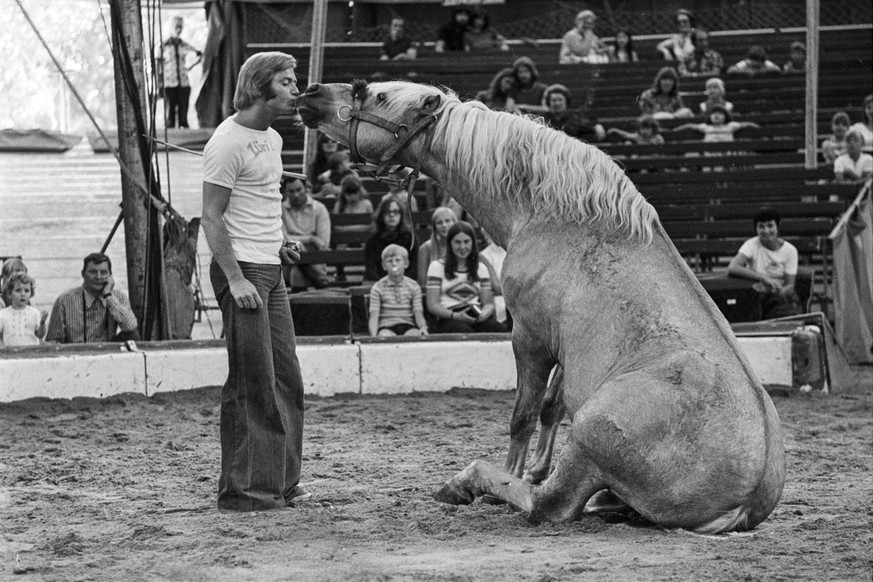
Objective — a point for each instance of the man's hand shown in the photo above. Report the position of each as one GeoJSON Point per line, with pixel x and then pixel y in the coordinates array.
{"type": "Point", "coordinates": [245, 294]}
{"type": "Point", "coordinates": [290, 253]}
{"type": "Point", "coordinates": [109, 285]}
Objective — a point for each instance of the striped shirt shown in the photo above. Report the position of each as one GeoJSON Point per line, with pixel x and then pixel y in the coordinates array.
{"type": "Point", "coordinates": [397, 303]}
{"type": "Point", "coordinates": [72, 308]}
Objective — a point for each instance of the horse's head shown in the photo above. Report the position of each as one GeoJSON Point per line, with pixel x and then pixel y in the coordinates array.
{"type": "Point", "coordinates": [375, 120]}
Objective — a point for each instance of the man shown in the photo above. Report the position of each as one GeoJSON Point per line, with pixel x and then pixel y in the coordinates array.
{"type": "Point", "coordinates": [756, 63]}
{"type": "Point", "coordinates": [261, 423]}
{"type": "Point", "coordinates": [557, 98]}
{"type": "Point", "coordinates": [772, 262]}
{"type": "Point", "coordinates": [306, 221]}
{"type": "Point", "coordinates": [451, 34]}
{"type": "Point", "coordinates": [95, 311]}
{"type": "Point", "coordinates": [177, 88]}
{"type": "Point", "coordinates": [398, 47]}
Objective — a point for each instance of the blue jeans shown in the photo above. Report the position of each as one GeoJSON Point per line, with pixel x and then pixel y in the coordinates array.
{"type": "Point", "coordinates": [262, 401]}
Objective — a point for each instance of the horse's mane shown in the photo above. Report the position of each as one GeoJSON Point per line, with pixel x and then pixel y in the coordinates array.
{"type": "Point", "coordinates": [507, 156]}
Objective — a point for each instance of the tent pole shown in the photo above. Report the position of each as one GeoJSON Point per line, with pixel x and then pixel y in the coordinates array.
{"type": "Point", "coordinates": [316, 65]}
{"type": "Point", "coordinates": [812, 54]}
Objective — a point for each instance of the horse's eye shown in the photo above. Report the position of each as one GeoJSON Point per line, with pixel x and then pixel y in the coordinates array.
{"type": "Point", "coordinates": [381, 97]}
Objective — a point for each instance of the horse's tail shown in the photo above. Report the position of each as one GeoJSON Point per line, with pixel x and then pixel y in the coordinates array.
{"type": "Point", "coordinates": [736, 519]}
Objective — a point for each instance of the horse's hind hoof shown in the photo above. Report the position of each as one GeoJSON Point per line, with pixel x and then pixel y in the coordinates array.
{"type": "Point", "coordinates": [491, 500]}
{"type": "Point", "coordinates": [453, 495]}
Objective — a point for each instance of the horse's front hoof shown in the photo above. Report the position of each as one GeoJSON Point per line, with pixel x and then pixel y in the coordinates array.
{"type": "Point", "coordinates": [491, 500]}
{"type": "Point", "coordinates": [453, 495]}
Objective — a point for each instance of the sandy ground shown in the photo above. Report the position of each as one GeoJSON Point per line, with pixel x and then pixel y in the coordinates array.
{"type": "Point", "coordinates": [124, 489]}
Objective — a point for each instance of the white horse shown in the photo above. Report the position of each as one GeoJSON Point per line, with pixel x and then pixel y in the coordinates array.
{"type": "Point", "coordinates": [667, 415]}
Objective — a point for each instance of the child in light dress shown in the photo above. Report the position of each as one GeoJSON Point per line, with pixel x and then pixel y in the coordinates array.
{"type": "Point", "coordinates": [835, 146]}
{"type": "Point", "coordinates": [648, 132]}
{"type": "Point", "coordinates": [715, 92]}
{"type": "Point", "coordinates": [395, 299]}
{"type": "Point", "coordinates": [719, 127]}
{"type": "Point", "coordinates": [21, 324]}
{"type": "Point", "coordinates": [854, 166]}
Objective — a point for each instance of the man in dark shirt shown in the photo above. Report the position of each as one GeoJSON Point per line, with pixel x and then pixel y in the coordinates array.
{"type": "Point", "coordinates": [451, 34]}
{"type": "Point", "coordinates": [398, 47]}
{"type": "Point", "coordinates": [558, 116]}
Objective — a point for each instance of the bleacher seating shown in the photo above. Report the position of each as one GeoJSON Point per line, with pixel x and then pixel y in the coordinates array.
{"type": "Point", "coordinates": [705, 193]}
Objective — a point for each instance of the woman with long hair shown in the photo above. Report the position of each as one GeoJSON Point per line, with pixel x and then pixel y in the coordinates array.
{"type": "Point", "coordinates": [390, 228]}
{"type": "Point", "coordinates": [459, 292]}
{"type": "Point", "coordinates": [434, 248]}
{"type": "Point", "coordinates": [662, 99]}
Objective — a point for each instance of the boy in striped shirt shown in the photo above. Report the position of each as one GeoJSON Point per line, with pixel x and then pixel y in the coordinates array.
{"type": "Point", "coordinates": [395, 300]}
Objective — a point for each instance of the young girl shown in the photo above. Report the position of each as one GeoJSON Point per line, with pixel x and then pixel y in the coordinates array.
{"type": "Point", "coordinates": [662, 100]}
{"type": "Point", "coordinates": [835, 146]}
{"type": "Point", "coordinates": [714, 90]}
{"type": "Point", "coordinates": [719, 126]}
{"type": "Point", "coordinates": [391, 228]}
{"type": "Point", "coordinates": [352, 199]}
{"type": "Point", "coordinates": [648, 132]}
{"type": "Point", "coordinates": [865, 127]}
{"type": "Point", "coordinates": [434, 248]}
{"type": "Point", "coordinates": [10, 267]}
{"type": "Point", "coordinates": [395, 299]}
{"type": "Point", "coordinates": [21, 324]}
{"type": "Point", "coordinates": [622, 48]}
{"type": "Point", "coordinates": [459, 287]}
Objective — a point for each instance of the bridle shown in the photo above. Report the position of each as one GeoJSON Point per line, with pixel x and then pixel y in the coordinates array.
{"type": "Point", "coordinates": [403, 135]}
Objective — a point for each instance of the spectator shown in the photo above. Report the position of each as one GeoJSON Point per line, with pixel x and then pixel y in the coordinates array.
{"type": "Point", "coordinates": [352, 199]}
{"type": "Point", "coordinates": [451, 34]}
{"type": "Point", "coordinates": [662, 100]}
{"type": "Point", "coordinates": [796, 58]}
{"type": "Point", "coordinates": [755, 63]}
{"type": "Point", "coordinates": [865, 127]}
{"type": "Point", "coordinates": [397, 47]}
{"type": "Point", "coordinates": [528, 95]}
{"type": "Point", "coordinates": [648, 132]}
{"type": "Point", "coordinates": [581, 45]}
{"type": "Point", "coordinates": [480, 35]}
{"type": "Point", "coordinates": [339, 166]}
{"type": "Point", "coordinates": [10, 267]}
{"type": "Point", "coordinates": [703, 61]}
{"type": "Point", "coordinates": [391, 228]}
{"type": "Point", "coordinates": [307, 222]}
{"type": "Point", "coordinates": [679, 46]}
{"type": "Point", "coordinates": [719, 127]}
{"type": "Point", "coordinates": [558, 116]}
{"type": "Point", "coordinates": [434, 248]}
{"type": "Point", "coordinates": [493, 256]}
{"type": "Point", "coordinates": [174, 72]}
{"type": "Point", "coordinates": [459, 287]}
{"type": "Point", "coordinates": [622, 48]}
{"type": "Point", "coordinates": [324, 148]}
{"type": "Point", "coordinates": [395, 299]}
{"type": "Point", "coordinates": [498, 96]}
{"type": "Point", "coordinates": [714, 90]}
{"type": "Point", "coordinates": [396, 192]}
{"type": "Point", "coordinates": [21, 324]}
{"type": "Point", "coordinates": [95, 311]}
{"type": "Point", "coordinates": [854, 166]}
{"type": "Point", "coordinates": [835, 146]}
{"type": "Point", "coordinates": [772, 263]}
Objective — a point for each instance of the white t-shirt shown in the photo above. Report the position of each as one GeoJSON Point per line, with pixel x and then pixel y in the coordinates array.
{"type": "Point", "coordinates": [249, 162]}
{"type": "Point", "coordinates": [18, 326]}
{"type": "Point", "coordinates": [859, 167]}
{"type": "Point", "coordinates": [774, 264]}
{"type": "Point", "coordinates": [458, 291]}
{"type": "Point", "coordinates": [718, 133]}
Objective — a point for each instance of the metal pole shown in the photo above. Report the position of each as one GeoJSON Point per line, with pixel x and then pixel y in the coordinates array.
{"type": "Point", "coordinates": [316, 65]}
{"type": "Point", "coordinates": [812, 53]}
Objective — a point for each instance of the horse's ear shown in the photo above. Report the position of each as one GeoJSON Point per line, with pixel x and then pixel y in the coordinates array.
{"type": "Point", "coordinates": [430, 104]}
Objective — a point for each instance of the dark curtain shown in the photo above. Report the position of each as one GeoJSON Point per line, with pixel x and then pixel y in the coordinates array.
{"type": "Point", "coordinates": [223, 56]}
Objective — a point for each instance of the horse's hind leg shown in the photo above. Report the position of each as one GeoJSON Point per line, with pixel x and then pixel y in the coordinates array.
{"type": "Point", "coordinates": [550, 420]}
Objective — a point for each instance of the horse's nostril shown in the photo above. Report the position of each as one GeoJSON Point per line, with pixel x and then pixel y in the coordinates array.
{"type": "Point", "coordinates": [312, 89]}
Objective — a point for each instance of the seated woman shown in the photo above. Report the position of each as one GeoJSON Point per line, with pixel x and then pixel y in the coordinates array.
{"type": "Point", "coordinates": [581, 45]}
{"type": "Point", "coordinates": [480, 36]}
{"type": "Point", "coordinates": [459, 287]}
{"type": "Point", "coordinates": [621, 50]}
{"type": "Point", "coordinates": [662, 100]}
{"type": "Point", "coordinates": [679, 45]}
{"type": "Point", "coordinates": [434, 248]}
{"type": "Point", "coordinates": [498, 96]}
{"type": "Point", "coordinates": [352, 199]}
{"type": "Point", "coordinates": [772, 262]}
{"type": "Point", "coordinates": [390, 229]}
{"type": "Point", "coordinates": [320, 163]}
{"type": "Point", "coordinates": [339, 166]}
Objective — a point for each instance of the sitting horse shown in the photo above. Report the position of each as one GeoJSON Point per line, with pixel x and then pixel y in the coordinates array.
{"type": "Point", "coordinates": [667, 415]}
